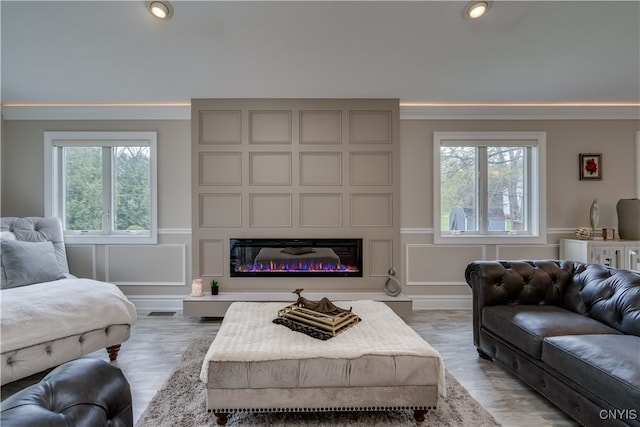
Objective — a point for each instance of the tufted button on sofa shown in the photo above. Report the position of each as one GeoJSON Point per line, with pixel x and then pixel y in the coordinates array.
{"type": "Point", "coordinates": [84, 392]}
{"type": "Point", "coordinates": [569, 330]}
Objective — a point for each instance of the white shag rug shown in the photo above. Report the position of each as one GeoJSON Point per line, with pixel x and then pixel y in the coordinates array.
{"type": "Point", "coordinates": [181, 402]}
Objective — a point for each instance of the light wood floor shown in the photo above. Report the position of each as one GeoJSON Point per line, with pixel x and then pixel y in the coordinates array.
{"type": "Point", "coordinates": [157, 342]}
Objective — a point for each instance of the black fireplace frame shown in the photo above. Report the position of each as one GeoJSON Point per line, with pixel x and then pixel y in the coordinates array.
{"type": "Point", "coordinates": [243, 251]}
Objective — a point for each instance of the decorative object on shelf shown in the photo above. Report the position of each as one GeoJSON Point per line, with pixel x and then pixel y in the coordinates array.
{"type": "Point", "coordinates": [583, 233]}
{"type": "Point", "coordinates": [392, 286]}
{"type": "Point", "coordinates": [315, 324]}
{"type": "Point", "coordinates": [590, 166]}
{"type": "Point", "coordinates": [324, 306]}
{"type": "Point", "coordinates": [594, 217]}
{"type": "Point", "coordinates": [628, 219]}
{"type": "Point", "coordinates": [608, 233]}
{"type": "Point", "coordinates": [318, 319]}
{"type": "Point", "coordinates": [196, 288]}
{"type": "Point", "coordinates": [214, 287]}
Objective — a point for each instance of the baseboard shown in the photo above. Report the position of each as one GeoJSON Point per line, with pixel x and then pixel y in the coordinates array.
{"type": "Point", "coordinates": [146, 303]}
{"type": "Point", "coordinates": [441, 302]}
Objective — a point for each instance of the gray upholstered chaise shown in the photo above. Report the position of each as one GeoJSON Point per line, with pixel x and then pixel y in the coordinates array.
{"type": "Point", "coordinates": [57, 317]}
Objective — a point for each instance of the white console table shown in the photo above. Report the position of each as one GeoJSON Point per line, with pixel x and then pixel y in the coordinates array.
{"type": "Point", "coordinates": [611, 253]}
{"type": "Point", "coordinates": [216, 305]}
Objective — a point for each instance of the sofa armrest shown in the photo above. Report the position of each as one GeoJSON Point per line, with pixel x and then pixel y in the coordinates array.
{"type": "Point", "coordinates": [516, 282]}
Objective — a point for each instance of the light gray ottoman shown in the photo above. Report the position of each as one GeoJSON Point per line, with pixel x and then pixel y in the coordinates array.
{"type": "Point", "coordinates": [254, 365]}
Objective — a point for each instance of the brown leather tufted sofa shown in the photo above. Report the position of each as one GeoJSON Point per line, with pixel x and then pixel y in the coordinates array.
{"type": "Point", "coordinates": [569, 330]}
{"type": "Point", "coordinates": [82, 393]}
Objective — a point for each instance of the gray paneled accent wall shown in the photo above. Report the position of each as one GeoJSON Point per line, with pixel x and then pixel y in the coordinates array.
{"type": "Point", "coordinates": [295, 168]}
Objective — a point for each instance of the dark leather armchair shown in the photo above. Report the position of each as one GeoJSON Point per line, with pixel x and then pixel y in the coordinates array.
{"type": "Point", "coordinates": [82, 392]}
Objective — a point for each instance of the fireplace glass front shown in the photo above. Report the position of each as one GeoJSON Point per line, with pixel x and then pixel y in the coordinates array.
{"type": "Point", "coordinates": [296, 257]}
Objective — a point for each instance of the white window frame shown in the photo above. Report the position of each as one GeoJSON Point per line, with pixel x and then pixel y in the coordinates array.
{"type": "Point", "coordinates": [537, 183]}
{"type": "Point", "coordinates": [53, 142]}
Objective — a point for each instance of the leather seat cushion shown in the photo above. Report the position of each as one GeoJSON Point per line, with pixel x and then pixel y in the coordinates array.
{"type": "Point", "coordinates": [605, 364]}
{"type": "Point", "coordinates": [525, 326]}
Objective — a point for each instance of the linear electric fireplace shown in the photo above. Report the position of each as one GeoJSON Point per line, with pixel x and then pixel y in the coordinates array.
{"type": "Point", "coordinates": [296, 257]}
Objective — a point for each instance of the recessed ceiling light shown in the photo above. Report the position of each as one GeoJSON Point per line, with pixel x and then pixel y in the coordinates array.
{"type": "Point", "coordinates": [160, 9]}
{"type": "Point", "coordinates": [476, 9]}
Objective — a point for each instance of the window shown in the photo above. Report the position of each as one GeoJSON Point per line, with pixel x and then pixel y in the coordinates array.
{"type": "Point", "coordinates": [102, 185]}
{"type": "Point", "coordinates": [489, 187]}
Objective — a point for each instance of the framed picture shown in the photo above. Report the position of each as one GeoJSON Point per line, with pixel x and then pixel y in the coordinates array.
{"type": "Point", "coordinates": [590, 166]}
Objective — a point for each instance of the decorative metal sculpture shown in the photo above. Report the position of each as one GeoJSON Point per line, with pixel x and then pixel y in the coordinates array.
{"type": "Point", "coordinates": [323, 306]}
{"type": "Point", "coordinates": [392, 286]}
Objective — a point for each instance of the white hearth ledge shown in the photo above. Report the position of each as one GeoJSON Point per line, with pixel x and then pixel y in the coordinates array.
{"type": "Point", "coordinates": [216, 305]}
{"type": "Point", "coordinates": [147, 303]}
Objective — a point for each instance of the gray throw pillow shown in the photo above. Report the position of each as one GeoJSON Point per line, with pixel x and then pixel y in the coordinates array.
{"type": "Point", "coordinates": [26, 263]}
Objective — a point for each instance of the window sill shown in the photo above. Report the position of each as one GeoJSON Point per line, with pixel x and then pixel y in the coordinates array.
{"type": "Point", "coordinates": [489, 240]}
{"type": "Point", "coordinates": [76, 239]}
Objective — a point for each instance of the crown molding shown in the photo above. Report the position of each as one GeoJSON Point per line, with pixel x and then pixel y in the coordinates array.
{"type": "Point", "coordinates": [96, 112]}
{"type": "Point", "coordinates": [520, 112]}
{"type": "Point", "coordinates": [454, 112]}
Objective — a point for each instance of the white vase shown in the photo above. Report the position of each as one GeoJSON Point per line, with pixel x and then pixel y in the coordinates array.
{"type": "Point", "coordinates": [629, 219]}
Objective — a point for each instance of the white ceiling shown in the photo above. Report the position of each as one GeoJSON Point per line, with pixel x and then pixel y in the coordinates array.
{"type": "Point", "coordinates": [108, 52]}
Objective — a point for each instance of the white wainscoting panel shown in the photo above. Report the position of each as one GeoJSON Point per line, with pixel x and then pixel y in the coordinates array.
{"type": "Point", "coordinates": [146, 264]}
{"type": "Point", "coordinates": [527, 252]}
{"type": "Point", "coordinates": [428, 264]}
{"type": "Point", "coordinates": [82, 260]}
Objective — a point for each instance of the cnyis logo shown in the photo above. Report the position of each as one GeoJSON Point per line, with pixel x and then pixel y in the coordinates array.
{"type": "Point", "coordinates": [618, 414]}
